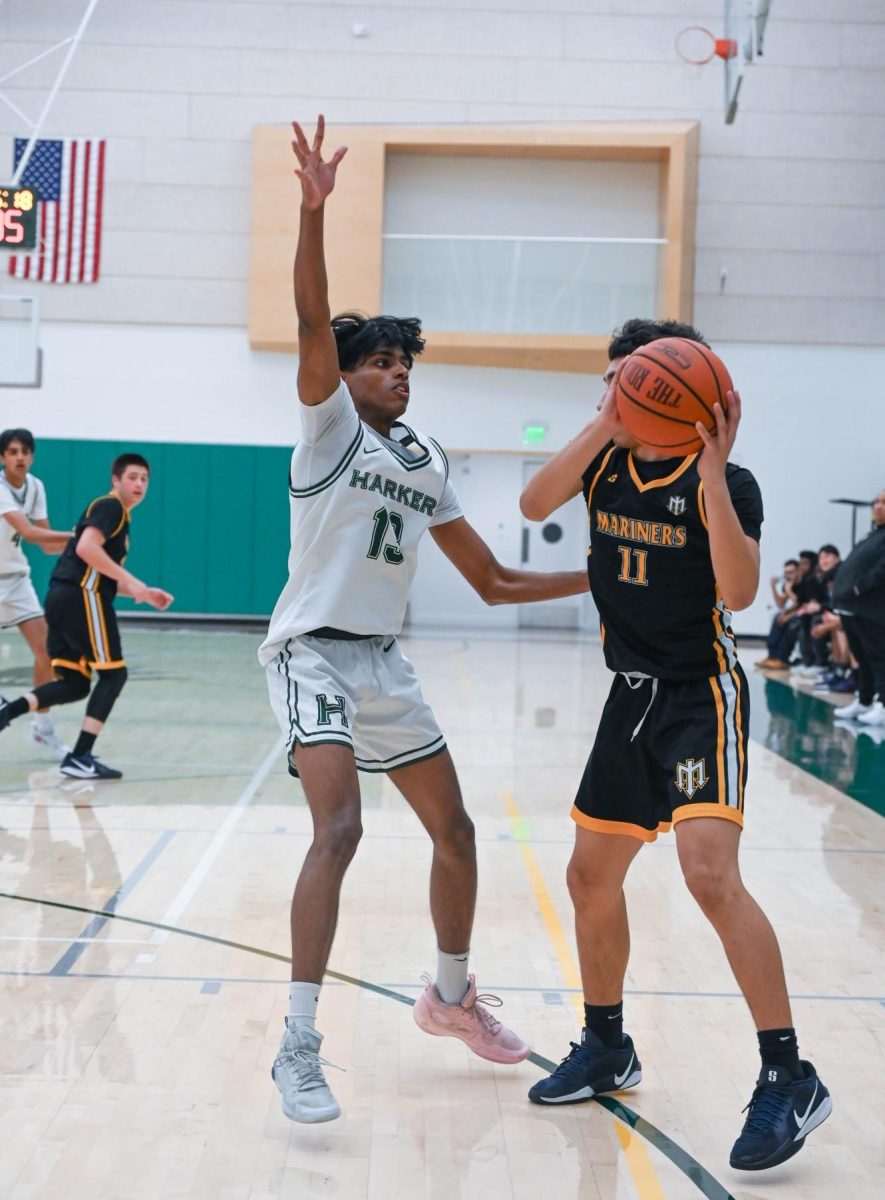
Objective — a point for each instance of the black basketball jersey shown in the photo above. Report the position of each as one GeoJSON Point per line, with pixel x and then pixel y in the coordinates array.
{"type": "Point", "coordinates": [107, 514]}
{"type": "Point", "coordinates": [649, 564]}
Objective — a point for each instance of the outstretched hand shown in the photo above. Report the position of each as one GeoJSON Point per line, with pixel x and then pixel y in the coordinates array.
{"type": "Point", "coordinates": [317, 177]}
{"type": "Point", "coordinates": [718, 445]}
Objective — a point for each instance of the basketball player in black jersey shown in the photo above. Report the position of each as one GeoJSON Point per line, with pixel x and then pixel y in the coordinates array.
{"type": "Point", "coordinates": [674, 546]}
{"type": "Point", "coordinates": [83, 635]}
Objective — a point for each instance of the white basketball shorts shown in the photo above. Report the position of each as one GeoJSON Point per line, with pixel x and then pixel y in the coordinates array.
{"type": "Point", "coordinates": [361, 694]}
{"type": "Point", "coordinates": [18, 601]}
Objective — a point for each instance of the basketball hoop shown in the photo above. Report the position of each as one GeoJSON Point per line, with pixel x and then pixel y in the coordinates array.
{"type": "Point", "coordinates": [693, 43]}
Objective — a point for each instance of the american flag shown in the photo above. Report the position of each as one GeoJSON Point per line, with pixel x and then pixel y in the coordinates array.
{"type": "Point", "coordinates": [69, 177]}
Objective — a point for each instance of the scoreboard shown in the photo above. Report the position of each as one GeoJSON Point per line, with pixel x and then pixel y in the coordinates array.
{"type": "Point", "coordinates": [18, 217]}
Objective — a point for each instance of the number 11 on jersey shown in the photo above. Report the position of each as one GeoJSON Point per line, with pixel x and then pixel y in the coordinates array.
{"type": "Point", "coordinates": [635, 560]}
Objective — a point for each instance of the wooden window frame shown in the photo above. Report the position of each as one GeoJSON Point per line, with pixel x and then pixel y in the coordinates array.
{"type": "Point", "coordinates": [355, 227]}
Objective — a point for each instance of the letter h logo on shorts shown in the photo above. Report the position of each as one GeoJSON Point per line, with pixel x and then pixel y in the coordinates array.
{"type": "Point", "coordinates": [691, 776]}
{"type": "Point", "coordinates": [325, 710]}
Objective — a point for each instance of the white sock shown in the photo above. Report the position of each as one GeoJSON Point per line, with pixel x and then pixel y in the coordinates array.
{"type": "Point", "coordinates": [303, 1000]}
{"type": "Point", "coordinates": [451, 976]}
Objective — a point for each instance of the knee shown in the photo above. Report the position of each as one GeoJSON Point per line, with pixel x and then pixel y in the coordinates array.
{"type": "Point", "coordinates": [458, 838]}
{"type": "Point", "coordinates": [712, 885]}
{"type": "Point", "coordinates": [77, 684]}
{"type": "Point", "coordinates": [339, 837]}
{"type": "Point", "coordinates": [589, 886]}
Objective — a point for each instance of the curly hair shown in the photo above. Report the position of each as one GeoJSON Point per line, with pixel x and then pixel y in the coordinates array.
{"type": "Point", "coordinates": [358, 336]}
{"type": "Point", "coordinates": [639, 331]}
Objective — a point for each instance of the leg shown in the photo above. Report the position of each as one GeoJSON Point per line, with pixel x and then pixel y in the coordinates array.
{"type": "Point", "coordinates": [595, 879]}
{"type": "Point", "coordinates": [34, 632]}
{"type": "Point", "coordinates": [432, 791]}
{"type": "Point", "coordinates": [329, 777]}
{"type": "Point", "coordinates": [81, 763]}
{"type": "Point", "coordinates": [708, 856]}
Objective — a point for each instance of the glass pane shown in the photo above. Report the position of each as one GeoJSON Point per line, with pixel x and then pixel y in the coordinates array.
{"type": "Point", "coordinates": [519, 285]}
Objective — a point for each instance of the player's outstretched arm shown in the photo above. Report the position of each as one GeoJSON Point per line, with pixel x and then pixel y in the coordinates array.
{"type": "Point", "coordinates": [735, 556]}
{"type": "Point", "coordinates": [561, 477]}
{"type": "Point", "coordinates": [470, 555]}
{"type": "Point", "coordinates": [90, 547]}
{"type": "Point", "coordinates": [318, 374]}
{"type": "Point", "coordinates": [38, 533]}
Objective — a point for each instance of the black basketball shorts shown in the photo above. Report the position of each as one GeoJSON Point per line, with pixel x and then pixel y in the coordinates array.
{"type": "Point", "coordinates": [83, 633]}
{"type": "Point", "coordinates": [657, 761]}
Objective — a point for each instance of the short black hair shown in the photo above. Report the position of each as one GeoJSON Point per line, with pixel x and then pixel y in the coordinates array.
{"type": "Point", "coordinates": [357, 336]}
{"type": "Point", "coordinates": [829, 548]}
{"type": "Point", "coordinates": [791, 562]}
{"type": "Point", "coordinates": [16, 435]}
{"type": "Point", "coordinates": [811, 555]}
{"type": "Point", "coordinates": [639, 331]}
{"type": "Point", "coordinates": [122, 461]}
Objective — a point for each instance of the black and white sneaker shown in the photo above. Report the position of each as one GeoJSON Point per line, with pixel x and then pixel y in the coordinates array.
{"type": "Point", "coordinates": [587, 1070]}
{"type": "Point", "coordinates": [781, 1113]}
{"type": "Point", "coordinates": [86, 766]}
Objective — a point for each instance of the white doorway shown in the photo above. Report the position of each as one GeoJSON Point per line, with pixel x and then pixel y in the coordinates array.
{"type": "Point", "coordinates": [557, 544]}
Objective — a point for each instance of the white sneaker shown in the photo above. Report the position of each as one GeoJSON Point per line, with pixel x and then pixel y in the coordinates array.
{"type": "Point", "coordinates": [808, 672]}
{"type": "Point", "coordinates": [875, 715]}
{"type": "Point", "coordinates": [298, 1073]}
{"type": "Point", "coordinates": [850, 712]}
{"type": "Point", "coordinates": [47, 740]}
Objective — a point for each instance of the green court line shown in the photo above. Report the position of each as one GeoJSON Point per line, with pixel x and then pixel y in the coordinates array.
{"type": "Point", "coordinates": [690, 1167]}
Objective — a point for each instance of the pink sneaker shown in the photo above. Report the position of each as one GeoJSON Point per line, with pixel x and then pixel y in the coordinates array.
{"type": "Point", "coordinates": [470, 1022]}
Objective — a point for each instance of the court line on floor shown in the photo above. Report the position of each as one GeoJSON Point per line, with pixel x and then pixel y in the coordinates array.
{"type": "Point", "coordinates": [209, 855]}
{"type": "Point", "coordinates": [78, 945]}
{"type": "Point", "coordinates": [690, 1167]}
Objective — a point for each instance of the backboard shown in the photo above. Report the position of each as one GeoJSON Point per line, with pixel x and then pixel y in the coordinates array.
{"type": "Point", "coordinates": [744, 28]}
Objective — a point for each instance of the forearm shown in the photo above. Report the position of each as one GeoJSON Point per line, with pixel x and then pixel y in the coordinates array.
{"type": "Point", "coordinates": [310, 279]}
{"type": "Point", "coordinates": [735, 556]}
{"type": "Point", "coordinates": [560, 477]}
{"type": "Point", "coordinates": [508, 586]}
{"type": "Point", "coordinates": [102, 562]}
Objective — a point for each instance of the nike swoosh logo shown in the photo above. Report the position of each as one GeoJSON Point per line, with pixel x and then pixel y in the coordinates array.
{"type": "Point", "coordinates": [619, 1079]}
{"type": "Point", "coordinates": [800, 1121]}
{"type": "Point", "coordinates": [377, 450]}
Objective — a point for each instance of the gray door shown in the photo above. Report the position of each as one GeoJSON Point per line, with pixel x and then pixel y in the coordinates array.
{"type": "Point", "coordinates": [557, 544]}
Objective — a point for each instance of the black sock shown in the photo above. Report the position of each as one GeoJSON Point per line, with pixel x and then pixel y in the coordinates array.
{"type": "Point", "coordinates": [779, 1048]}
{"type": "Point", "coordinates": [85, 742]}
{"type": "Point", "coordinates": [17, 708]}
{"type": "Point", "coordinates": [607, 1022]}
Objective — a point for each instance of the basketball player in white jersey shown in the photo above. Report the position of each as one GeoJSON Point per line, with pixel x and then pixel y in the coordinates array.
{"type": "Point", "coordinates": [24, 518]}
{"type": "Point", "coordinates": [364, 487]}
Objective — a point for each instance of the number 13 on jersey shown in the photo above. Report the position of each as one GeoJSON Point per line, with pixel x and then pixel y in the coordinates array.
{"type": "Point", "coordinates": [633, 566]}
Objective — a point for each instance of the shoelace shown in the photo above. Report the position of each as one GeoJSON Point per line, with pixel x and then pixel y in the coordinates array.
{"type": "Point", "coordinates": [309, 1066]}
{"type": "Point", "coordinates": [767, 1105]}
{"type": "Point", "coordinates": [491, 1023]}
{"type": "Point", "coordinates": [563, 1067]}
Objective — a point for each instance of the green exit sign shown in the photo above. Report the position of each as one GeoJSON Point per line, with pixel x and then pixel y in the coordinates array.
{"type": "Point", "coordinates": [18, 217]}
{"type": "Point", "coordinates": [534, 434]}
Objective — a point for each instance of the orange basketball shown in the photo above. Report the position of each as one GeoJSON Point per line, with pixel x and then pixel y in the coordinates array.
{"type": "Point", "coordinates": [664, 387]}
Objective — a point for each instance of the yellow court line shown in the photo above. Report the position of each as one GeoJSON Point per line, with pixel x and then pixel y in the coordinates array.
{"type": "Point", "coordinates": [645, 1178]}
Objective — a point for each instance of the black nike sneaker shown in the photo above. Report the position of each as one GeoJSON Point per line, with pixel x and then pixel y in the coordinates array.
{"type": "Point", "coordinates": [782, 1112]}
{"type": "Point", "coordinates": [588, 1069]}
{"type": "Point", "coordinates": [86, 766]}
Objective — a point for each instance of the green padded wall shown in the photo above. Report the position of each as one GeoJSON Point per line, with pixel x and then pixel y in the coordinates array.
{"type": "Point", "coordinates": [213, 529]}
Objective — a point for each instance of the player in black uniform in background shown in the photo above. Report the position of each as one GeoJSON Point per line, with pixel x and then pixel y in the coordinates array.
{"type": "Point", "coordinates": [83, 635]}
{"type": "Point", "coordinates": [674, 545]}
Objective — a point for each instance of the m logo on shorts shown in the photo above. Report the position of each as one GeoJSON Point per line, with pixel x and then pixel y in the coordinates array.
{"type": "Point", "coordinates": [325, 710]}
{"type": "Point", "coordinates": [691, 776]}
{"type": "Point", "coordinates": [677, 505]}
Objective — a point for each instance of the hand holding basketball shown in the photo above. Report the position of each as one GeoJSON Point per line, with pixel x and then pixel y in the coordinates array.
{"type": "Point", "coordinates": [718, 445]}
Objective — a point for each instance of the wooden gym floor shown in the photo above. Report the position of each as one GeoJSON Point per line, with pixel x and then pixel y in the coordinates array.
{"type": "Point", "coordinates": [144, 935]}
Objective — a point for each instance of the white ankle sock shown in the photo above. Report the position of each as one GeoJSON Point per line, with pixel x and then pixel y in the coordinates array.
{"type": "Point", "coordinates": [451, 976]}
{"type": "Point", "coordinates": [303, 1000]}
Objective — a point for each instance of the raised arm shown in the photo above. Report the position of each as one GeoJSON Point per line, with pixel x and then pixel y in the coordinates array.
{"type": "Point", "coordinates": [318, 374]}
{"type": "Point", "coordinates": [735, 555]}
{"type": "Point", "coordinates": [561, 476]}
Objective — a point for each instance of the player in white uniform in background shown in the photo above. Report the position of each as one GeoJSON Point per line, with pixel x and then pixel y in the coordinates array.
{"type": "Point", "coordinates": [24, 518]}
{"type": "Point", "coordinates": [364, 487]}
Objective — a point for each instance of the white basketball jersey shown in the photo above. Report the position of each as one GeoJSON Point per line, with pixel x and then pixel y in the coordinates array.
{"type": "Point", "coordinates": [30, 501]}
{"type": "Point", "coordinates": [359, 504]}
